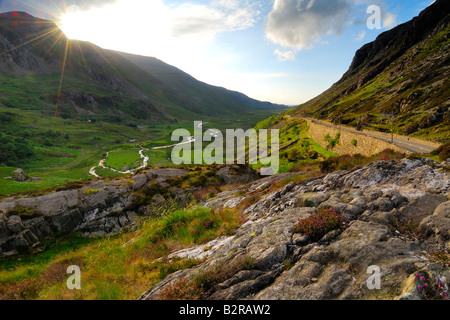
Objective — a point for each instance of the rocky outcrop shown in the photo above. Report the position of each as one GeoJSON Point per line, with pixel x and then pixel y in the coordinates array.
{"type": "Point", "coordinates": [396, 216]}
{"type": "Point", "coordinates": [234, 174]}
{"type": "Point", "coordinates": [97, 209]}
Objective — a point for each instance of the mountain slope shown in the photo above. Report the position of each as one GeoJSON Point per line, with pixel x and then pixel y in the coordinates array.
{"type": "Point", "coordinates": [192, 94]}
{"type": "Point", "coordinates": [403, 76]}
{"type": "Point", "coordinates": [97, 82]}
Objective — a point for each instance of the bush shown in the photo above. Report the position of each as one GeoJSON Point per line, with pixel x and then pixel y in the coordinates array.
{"type": "Point", "coordinates": [14, 150]}
{"type": "Point", "coordinates": [354, 142]}
{"type": "Point", "coordinates": [319, 224]}
{"type": "Point", "coordinates": [328, 165]}
{"type": "Point", "coordinates": [199, 182]}
{"type": "Point", "coordinates": [429, 290]}
{"type": "Point", "coordinates": [443, 152]}
{"type": "Point", "coordinates": [333, 142]}
{"type": "Point", "coordinates": [295, 154]}
{"type": "Point", "coordinates": [313, 155]}
{"type": "Point", "coordinates": [347, 162]}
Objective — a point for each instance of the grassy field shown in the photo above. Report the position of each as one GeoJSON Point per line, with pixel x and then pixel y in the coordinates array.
{"type": "Point", "coordinates": [64, 150]}
{"type": "Point", "coordinates": [120, 267]}
{"type": "Point", "coordinates": [296, 147]}
{"type": "Point", "coordinates": [124, 160]}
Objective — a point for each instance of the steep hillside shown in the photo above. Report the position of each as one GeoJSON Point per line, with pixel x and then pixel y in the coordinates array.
{"type": "Point", "coordinates": [400, 79]}
{"type": "Point", "coordinates": [96, 82]}
{"type": "Point", "coordinates": [194, 95]}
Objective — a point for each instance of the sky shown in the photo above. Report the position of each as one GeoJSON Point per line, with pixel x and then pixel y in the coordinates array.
{"type": "Point", "coordinates": [282, 51]}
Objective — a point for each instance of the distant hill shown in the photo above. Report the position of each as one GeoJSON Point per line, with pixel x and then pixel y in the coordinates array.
{"type": "Point", "coordinates": [100, 83]}
{"type": "Point", "coordinates": [402, 78]}
{"type": "Point", "coordinates": [194, 95]}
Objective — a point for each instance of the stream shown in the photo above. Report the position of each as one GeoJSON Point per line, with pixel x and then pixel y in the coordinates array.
{"type": "Point", "coordinates": [143, 157]}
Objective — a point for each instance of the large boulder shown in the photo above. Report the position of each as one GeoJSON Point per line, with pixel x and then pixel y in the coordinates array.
{"type": "Point", "coordinates": [19, 175]}
{"type": "Point", "coordinates": [237, 174]}
{"type": "Point", "coordinates": [439, 222]}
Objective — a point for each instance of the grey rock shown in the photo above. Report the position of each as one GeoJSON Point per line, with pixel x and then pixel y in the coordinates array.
{"type": "Point", "coordinates": [233, 174]}
{"type": "Point", "coordinates": [19, 175]}
{"type": "Point", "coordinates": [419, 208]}
{"type": "Point", "coordinates": [439, 222]}
{"type": "Point", "coordinates": [312, 199]}
{"type": "Point", "coordinates": [14, 224]}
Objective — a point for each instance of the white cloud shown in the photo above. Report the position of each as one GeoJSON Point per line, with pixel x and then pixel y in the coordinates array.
{"type": "Point", "coordinates": [159, 21]}
{"type": "Point", "coordinates": [361, 36]}
{"type": "Point", "coordinates": [284, 55]}
{"type": "Point", "coordinates": [208, 20]}
{"type": "Point", "coordinates": [389, 20]}
{"type": "Point", "coordinates": [181, 35]}
{"type": "Point", "coordinates": [300, 23]}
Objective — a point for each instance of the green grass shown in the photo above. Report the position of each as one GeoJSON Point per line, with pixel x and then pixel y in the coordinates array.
{"type": "Point", "coordinates": [123, 160]}
{"type": "Point", "coordinates": [66, 149]}
{"type": "Point", "coordinates": [120, 267]}
{"type": "Point", "coordinates": [438, 42]}
{"type": "Point", "coordinates": [295, 146]}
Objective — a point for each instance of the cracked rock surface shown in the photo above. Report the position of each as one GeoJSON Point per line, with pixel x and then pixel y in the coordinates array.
{"type": "Point", "coordinates": [396, 214]}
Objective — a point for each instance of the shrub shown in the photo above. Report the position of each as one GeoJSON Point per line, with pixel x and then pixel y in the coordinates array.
{"type": "Point", "coordinates": [443, 151]}
{"type": "Point", "coordinates": [328, 165]}
{"type": "Point", "coordinates": [205, 194]}
{"type": "Point", "coordinates": [14, 150]}
{"type": "Point", "coordinates": [306, 144]}
{"type": "Point", "coordinates": [347, 162]}
{"type": "Point", "coordinates": [90, 191]}
{"type": "Point", "coordinates": [319, 224]}
{"type": "Point", "coordinates": [313, 155]}
{"type": "Point", "coordinates": [295, 154]}
{"type": "Point", "coordinates": [199, 181]}
{"type": "Point", "coordinates": [428, 290]}
{"type": "Point", "coordinates": [333, 142]}
{"type": "Point", "coordinates": [354, 142]}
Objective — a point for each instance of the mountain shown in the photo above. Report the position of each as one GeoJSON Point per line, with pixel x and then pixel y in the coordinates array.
{"type": "Point", "coordinates": [100, 83]}
{"type": "Point", "coordinates": [194, 95]}
{"type": "Point", "coordinates": [402, 76]}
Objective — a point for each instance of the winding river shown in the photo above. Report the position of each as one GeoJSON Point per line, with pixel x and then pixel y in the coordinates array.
{"type": "Point", "coordinates": [144, 158]}
{"type": "Point", "coordinates": [102, 165]}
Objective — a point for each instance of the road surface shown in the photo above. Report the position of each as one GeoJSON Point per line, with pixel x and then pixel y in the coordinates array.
{"type": "Point", "coordinates": [411, 146]}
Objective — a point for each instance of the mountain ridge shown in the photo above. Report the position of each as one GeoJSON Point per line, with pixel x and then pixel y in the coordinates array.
{"type": "Point", "coordinates": [103, 82]}
{"type": "Point", "coordinates": [402, 75]}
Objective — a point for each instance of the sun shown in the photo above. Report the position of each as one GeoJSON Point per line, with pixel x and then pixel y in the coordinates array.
{"type": "Point", "coordinates": [71, 23]}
